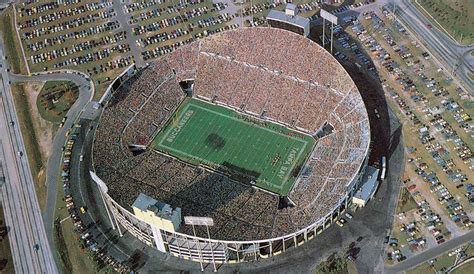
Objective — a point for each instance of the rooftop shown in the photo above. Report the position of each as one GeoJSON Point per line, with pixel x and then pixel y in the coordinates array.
{"type": "Point", "coordinates": [370, 183]}
{"type": "Point", "coordinates": [294, 20]}
{"type": "Point", "coordinates": [144, 203]}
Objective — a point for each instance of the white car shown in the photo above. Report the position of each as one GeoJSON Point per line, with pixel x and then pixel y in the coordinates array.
{"type": "Point", "coordinates": [348, 215]}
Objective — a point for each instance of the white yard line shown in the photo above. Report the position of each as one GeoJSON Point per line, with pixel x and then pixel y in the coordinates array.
{"type": "Point", "coordinates": [301, 150]}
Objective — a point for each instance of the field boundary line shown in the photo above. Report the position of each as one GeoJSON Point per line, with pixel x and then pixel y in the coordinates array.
{"type": "Point", "coordinates": [245, 122]}
{"type": "Point", "coordinates": [294, 143]}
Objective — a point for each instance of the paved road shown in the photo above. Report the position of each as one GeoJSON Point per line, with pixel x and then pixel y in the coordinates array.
{"type": "Point", "coordinates": [96, 220]}
{"type": "Point", "coordinates": [28, 242]}
{"type": "Point", "coordinates": [456, 58]}
{"type": "Point", "coordinates": [54, 161]}
{"type": "Point", "coordinates": [123, 18]}
{"type": "Point", "coordinates": [430, 253]}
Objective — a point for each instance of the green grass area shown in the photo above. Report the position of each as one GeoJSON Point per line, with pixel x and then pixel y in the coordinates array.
{"type": "Point", "coordinates": [464, 269]}
{"type": "Point", "coordinates": [243, 147]}
{"type": "Point", "coordinates": [445, 262]}
{"type": "Point", "coordinates": [440, 265]}
{"type": "Point", "coordinates": [12, 45]}
{"type": "Point", "coordinates": [61, 248]}
{"type": "Point", "coordinates": [405, 201]}
{"type": "Point", "coordinates": [55, 99]}
{"type": "Point", "coordinates": [6, 263]}
{"type": "Point", "coordinates": [454, 15]}
{"type": "Point", "coordinates": [37, 164]}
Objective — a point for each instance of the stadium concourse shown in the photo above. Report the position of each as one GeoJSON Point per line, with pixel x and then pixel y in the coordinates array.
{"type": "Point", "coordinates": [267, 75]}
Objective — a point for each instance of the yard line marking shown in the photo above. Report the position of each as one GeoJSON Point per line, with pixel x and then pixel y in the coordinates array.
{"type": "Point", "coordinates": [238, 132]}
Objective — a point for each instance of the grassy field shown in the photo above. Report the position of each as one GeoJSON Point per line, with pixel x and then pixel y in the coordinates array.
{"type": "Point", "coordinates": [454, 15]}
{"type": "Point", "coordinates": [31, 143]}
{"type": "Point", "coordinates": [464, 269]}
{"type": "Point", "coordinates": [12, 45]}
{"type": "Point", "coordinates": [269, 154]}
{"type": "Point", "coordinates": [6, 263]}
{"type": "Point", "coordinates": [444, 262]}
{"type": "Point", "coordinates": [441, 263]}
{"type": "Point", "coordinates": [55, 99]}
{"type": "Point", "coordinates": [405, 202]}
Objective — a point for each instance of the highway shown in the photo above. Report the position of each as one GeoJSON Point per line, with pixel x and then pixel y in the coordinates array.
{"type": "Point", "coordinates": [30, 248]}
{"type": "Point", "coordinates": [55, 159]}
{"type": "Point", "coordinates": [455, 57]}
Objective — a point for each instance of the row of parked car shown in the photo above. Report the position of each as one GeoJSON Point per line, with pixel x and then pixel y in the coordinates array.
{"type": "Point", "coordinates": [85, 235]}
{"type": "Point", "coordinates": [429, 218]}
{"type": "Point", "coordinates": [428, 133]}
{"type": "Point", "coordinates": [79, 34]}
{"type": "Point", "coordinates": [157, 25]}
{"type": "Point", "coordinates": [444, 196]}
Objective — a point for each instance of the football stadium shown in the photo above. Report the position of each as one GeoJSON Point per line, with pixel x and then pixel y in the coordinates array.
{"type": "Point", "coordinates": [238, 146]}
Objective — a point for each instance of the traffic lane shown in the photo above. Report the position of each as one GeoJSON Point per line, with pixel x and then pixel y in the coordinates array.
{"type": "Point", "coordinates": [440, 53]}
{"type": "Point", "coordinates": [19, 223]}
{"type": "Point", "coordinates": [53, 165]}
{"type": "Point", "coordinates": [434, 31]}
{"type": "Point", "coordinates": [23, 185]}
{"type": "Point", "coordinates": [14, 225]}
{"type": "Point", "coordinates": [25, 175]}
{"type": "Point", "coordinates": [438, 42]}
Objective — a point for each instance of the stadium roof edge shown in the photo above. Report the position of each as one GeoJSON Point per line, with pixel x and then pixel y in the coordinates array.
{"type": "Point", "coordinates": [294, 20]}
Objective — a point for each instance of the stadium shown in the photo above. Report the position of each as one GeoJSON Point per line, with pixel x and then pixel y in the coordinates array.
{"type": "Point", "coordinates": [260, 129]}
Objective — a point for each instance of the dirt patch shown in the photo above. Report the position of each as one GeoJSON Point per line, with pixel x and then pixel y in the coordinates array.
{"type": "Point", "coordinates": [43, 129]}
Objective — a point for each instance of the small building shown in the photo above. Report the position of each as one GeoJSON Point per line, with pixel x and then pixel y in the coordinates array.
{"type": "Point", "coordinates": [157, 213]}
{"type": "Point", "coordinates": [289, 20]}
{"type": "Point", "coordinates": [368, 188]}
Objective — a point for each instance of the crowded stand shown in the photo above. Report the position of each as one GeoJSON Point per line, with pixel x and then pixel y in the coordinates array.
{"type": "Point", "coordinates": [231, 69]}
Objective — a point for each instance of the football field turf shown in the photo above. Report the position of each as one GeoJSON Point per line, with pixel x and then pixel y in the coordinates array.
{"type": "Point", "coordinates": [244, 148]}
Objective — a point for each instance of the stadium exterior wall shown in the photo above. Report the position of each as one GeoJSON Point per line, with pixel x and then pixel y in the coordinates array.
{"type": "Point", "coordinates": [223, 251]}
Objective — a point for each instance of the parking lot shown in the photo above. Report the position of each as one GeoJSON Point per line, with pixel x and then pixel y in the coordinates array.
{"type": "Point", "coordinates": [437, 130]}
{"type": "Point", "coordinates": [72, 34]}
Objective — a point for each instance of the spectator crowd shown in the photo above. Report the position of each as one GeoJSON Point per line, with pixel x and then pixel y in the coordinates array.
{"type": "Point", "coordinates": [237, 69]}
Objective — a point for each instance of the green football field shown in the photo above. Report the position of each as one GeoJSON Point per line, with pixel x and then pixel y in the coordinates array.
{"type": "Point", "coordinates": [244, 148]}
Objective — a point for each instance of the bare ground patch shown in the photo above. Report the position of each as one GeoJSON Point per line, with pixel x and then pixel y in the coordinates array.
{"type": "Point", "coordinates": [43, 129]}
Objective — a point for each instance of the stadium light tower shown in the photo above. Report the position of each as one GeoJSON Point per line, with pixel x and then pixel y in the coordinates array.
{"type": "Point", "coordinates": [251, 13]}
{"type": "Point", "coordinates": [202, 221]}
{"type": "Point", "coordinates": [331, 18]}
